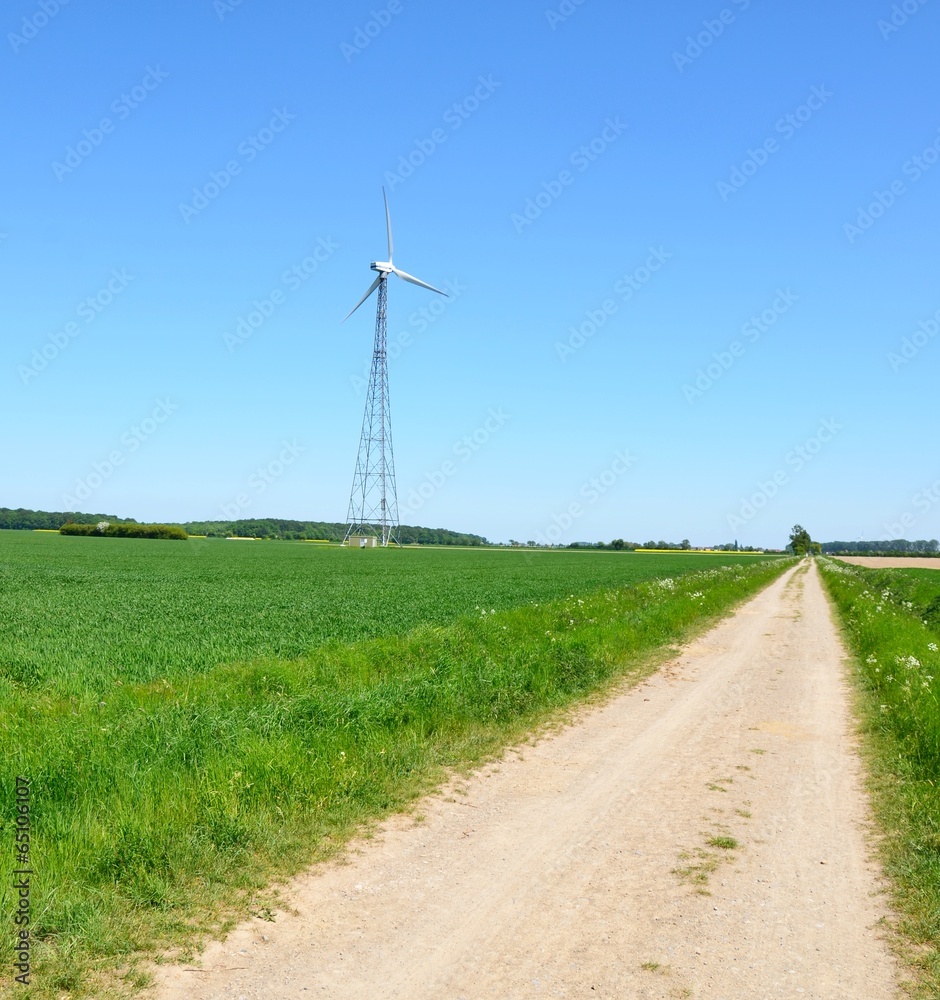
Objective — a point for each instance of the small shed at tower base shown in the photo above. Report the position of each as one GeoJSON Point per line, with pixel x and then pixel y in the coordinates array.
{"type": "Point", "coordinates": [362, 542]}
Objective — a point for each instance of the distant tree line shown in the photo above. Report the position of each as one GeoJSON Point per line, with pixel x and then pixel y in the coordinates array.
{"type": "Point", "coordinates": [734, 547]}
{"type": "Point", "coordinates": [36, 520]}
{"type": "Point", "coordinates": [683, 546]}
{"type": "Point", "coordinates": [267, 527]}
{"type": "Point", "coordinates": [411, 535]}
{"type": "Point", "coordinates": [617, 543]}
{"type": "Point", "coordinates": [331, 531]}
{"type": "Point", "coordinates": [131, 529]}
{"type": "Point", "coordinates": [894, 547]}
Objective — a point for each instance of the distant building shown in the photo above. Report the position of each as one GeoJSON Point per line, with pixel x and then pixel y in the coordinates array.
{"type": "Point", "coordinates": [362, 541]}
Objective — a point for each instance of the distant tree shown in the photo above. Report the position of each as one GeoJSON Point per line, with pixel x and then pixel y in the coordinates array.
{"type": "Point", "coordinates": [800, 541]}
{"type": "Point", "coordinates": [685, 544]}
{"type": "Point", "coordinates": [617, 543]}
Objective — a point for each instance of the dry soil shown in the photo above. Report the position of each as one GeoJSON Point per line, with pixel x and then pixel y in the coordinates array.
{"type": "Point", "coordinates": [892, 562]}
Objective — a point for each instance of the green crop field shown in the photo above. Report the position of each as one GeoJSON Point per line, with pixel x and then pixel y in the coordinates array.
{"type": "Point", "coordinates": [199, 719]}
{"type": "Point", "coordinates": [83, 613]}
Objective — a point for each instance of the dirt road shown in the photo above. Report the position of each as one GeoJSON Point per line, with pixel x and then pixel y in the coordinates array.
{"type": "Point", "coordinates": [702, 835]}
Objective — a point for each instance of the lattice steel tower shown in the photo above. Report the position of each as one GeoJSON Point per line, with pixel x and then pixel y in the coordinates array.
{"type": "Point", "coordinates": [373, 502]}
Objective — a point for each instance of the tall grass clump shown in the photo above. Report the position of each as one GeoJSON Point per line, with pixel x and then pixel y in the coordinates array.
{"type": "Point", "coordinates": [897, 654]}
{"type": "Point", "coordinates": [162, 810]}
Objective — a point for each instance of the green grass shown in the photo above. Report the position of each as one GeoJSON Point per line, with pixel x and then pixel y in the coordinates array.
{"type": "Point", "coordinates": [80, 614]}
{"type": "Point", "coordinates": [918, 590]}
{"type": "Point", "coordinates": [895, 641]}
{"type": "Point", "coordinates": [725, 843]}
{"type": "Point", "coordinates": [171, 786]}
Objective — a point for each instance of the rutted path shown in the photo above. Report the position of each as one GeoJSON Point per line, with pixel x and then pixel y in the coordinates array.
{"type": "Point", "coordinates": [701, 835]}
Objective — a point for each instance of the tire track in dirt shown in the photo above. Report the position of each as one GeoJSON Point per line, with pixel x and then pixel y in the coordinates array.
{"type": "Point", "coordinates": [701, 835]}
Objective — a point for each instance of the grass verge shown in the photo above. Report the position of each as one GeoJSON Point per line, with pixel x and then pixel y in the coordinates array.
{"type": "Point", "coordinates": [897, 664]}
{"type": "Point", "coordinates": [161, 812]}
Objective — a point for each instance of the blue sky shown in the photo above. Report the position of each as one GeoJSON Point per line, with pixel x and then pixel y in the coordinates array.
{"type": "Point", "coordinates": [692, 252]}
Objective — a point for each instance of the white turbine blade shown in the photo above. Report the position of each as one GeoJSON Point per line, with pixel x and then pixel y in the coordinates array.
{"type": "Point", "coordinates": [417, 281]}
{"type": "Point", "coordinates": [388, 226]}
{"type": "Point", "coordinates": [372, 288]}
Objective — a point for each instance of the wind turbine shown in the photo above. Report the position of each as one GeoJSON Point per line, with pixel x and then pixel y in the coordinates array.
{"type": "Point", "coordinates": [373, 501]}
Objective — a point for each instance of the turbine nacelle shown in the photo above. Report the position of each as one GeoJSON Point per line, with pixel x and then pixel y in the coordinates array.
{"type": "Point", "coordinates": [386, 267]}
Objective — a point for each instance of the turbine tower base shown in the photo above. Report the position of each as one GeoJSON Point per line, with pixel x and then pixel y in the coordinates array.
{"type": "Point", "coordinates": [373, 501]}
